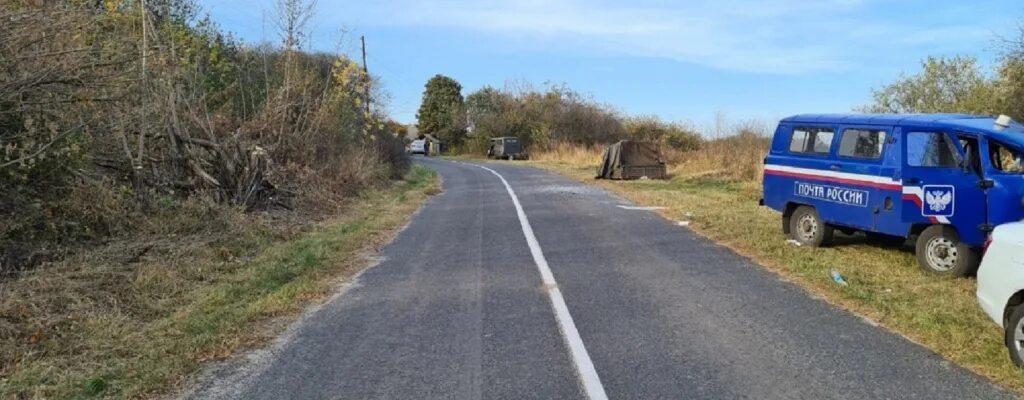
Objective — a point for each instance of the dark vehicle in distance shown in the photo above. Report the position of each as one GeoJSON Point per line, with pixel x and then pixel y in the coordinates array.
{"type": "Point", "coordinates": [509, 148]}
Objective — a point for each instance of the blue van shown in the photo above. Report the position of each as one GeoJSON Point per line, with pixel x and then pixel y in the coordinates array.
{"type": "Point", "coordinates": [946, 179]}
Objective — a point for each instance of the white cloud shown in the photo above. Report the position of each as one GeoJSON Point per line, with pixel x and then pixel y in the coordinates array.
{"type": "Point", "coordinates": [768, 36]}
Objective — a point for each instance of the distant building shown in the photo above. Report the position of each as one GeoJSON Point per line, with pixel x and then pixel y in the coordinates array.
{"type": "Point", "coordinates": [412, 132]}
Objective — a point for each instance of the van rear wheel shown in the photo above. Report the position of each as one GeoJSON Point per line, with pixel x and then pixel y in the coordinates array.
{"type": "Point", "coordinates": [940, 251]}
{"type": "Point", "coordinates": [807, 227]}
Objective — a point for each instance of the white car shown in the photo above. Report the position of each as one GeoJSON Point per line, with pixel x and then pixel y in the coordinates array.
{"type": "Point", "coordinates": [1001, 285]}
{"type": "Point", "coordinates": [418, 146]}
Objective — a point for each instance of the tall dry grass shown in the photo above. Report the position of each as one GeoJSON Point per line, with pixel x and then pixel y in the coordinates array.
{"type": "Point", "coordinates": [737, 157]}
{"type": "Point", "coordinates": [570, 153]}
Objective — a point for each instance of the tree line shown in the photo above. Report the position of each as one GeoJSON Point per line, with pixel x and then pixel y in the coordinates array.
{"type": "Point", "coordinates": [959, 84]}
{"type": "Point", "coordinates": [559, 115]}
{"type": "Point", "coordinates": [540, 118]}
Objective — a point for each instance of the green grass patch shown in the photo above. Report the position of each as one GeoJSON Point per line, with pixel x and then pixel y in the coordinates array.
{"type": "Point", "coordinates": [886, 285]}
{"type": "Point", "coordinates": [121, 355]}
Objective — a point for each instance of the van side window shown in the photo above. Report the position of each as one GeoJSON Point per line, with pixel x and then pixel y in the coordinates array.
{"type": "Point", "coordinates": [931, 149]}
{"type": "Point", "coordinates": [812, 140]}
{"type": "Point", "coordinates": [862, 143]}
{"type": "Point", "coordinates": [1006, 159]}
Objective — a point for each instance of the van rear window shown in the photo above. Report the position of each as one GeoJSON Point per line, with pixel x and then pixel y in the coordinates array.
{"type": "Point", "coordinates": [862, 143]}
{"type": "Point", "coordinates": [812, 140]}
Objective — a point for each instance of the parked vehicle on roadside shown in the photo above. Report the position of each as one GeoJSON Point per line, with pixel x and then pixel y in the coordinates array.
{"type": "Point", "coordinates": [1001, 286]}
{"type": "Point", "coordinates": [944, 179]}
{"type": "Point", "coordinates": [418, 146]}
{"type": "Point", "coordinates": [509, 148]}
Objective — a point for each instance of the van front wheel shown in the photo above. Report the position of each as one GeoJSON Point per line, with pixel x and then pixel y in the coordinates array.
{"type": "Point", "coordinates": [940, 251]}
{"type": "Point", "coordinates": [807, 227]}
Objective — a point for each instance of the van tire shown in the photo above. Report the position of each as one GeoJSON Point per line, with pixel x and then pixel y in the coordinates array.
{"type": "Point", "coordinates": [807, 228]}
{"type": "Point", "coordinates": [940, 251]}
{"type": "Point", "coordinates": [1010, 327]}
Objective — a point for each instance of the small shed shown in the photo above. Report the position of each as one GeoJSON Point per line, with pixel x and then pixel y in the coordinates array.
{"type": "Point", "coordinates": [506, 148]}
{"type": "Point", "coordinates": [432, 145]}
{"type": "Point", "coordinates": [629, 159]}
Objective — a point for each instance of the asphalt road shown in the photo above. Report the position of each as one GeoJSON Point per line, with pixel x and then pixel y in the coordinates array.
{"type": "Point", "coordinates": [457, 309]}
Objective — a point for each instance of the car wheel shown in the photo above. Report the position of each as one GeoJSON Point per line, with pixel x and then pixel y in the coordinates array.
{"type": "Point", "coordinates": [807, 228]}
{"type": "Point", "coordinates": [1014, 335]}
{"type": "Point", "coordinates": [940, 251]}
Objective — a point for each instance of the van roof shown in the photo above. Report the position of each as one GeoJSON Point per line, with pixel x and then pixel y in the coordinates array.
{"type": "Point", "coordinates": [982, 124]}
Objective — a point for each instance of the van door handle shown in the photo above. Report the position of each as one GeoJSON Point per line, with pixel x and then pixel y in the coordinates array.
{"type": "Point", "coordinates": [912, 181]}
{"type": "Point", "coordinates": [834, 167]}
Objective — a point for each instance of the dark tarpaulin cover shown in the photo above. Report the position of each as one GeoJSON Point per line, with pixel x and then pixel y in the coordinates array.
{"type": "Point", "coordinates": [628, 153]}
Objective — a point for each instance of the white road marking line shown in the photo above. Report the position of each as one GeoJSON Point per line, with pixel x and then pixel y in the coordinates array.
{"type": "Point", "coordinates": [636, 208]}
{"type": "Point", "coordinates": [584, 367]}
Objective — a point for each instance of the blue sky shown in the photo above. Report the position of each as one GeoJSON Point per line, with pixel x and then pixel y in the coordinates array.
{"type": "Point", "coordinates": [680, 60]}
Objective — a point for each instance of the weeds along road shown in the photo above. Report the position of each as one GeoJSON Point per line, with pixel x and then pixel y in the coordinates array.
{"type": "Point", "coordinates": [576, 298]}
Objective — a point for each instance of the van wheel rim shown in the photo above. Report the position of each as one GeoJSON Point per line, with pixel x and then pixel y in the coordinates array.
{"type": "Point", "coordinates": [1018, 339]}
{"type": "Point", "coordinates": [942, 254]}
{"type": "Point", "coordinates": [807, 228]}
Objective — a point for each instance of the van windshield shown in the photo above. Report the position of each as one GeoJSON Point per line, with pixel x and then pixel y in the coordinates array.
{"type": "Point", "coordinates": [1007, 159]}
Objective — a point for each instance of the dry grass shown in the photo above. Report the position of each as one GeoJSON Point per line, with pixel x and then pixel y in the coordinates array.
{"type": "Point", "coordinates": [132, 318]}
{"type": "Point", "coordinates": [720, 187]}
{"type": "Point", "coordinates": [567, 153]}
{"type": "Point", "coordinates": [736, 157]}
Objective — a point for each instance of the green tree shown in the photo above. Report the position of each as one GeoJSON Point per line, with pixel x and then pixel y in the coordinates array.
{"type": "Point", "coordinates": [944, 85]}
{"type": "Point", "coordinates": [1011, 77]}
{"type": "Point", "coordinates": [442, 111]}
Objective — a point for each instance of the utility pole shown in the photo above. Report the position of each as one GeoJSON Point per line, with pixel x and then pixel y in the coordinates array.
{"type": "Point", "coordinates": [366, 75]}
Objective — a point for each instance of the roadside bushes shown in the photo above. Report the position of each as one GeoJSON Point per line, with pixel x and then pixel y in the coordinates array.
{"type": "Point", "coordinates": [674, 136]}
{"type": "Point", "coordinates": [544, 120]}
{"type": "Point", "coordinates": [561, 125]}
{"type": "Point", "coordinates": [141, 107]}
{"type": "Point", "coordinates": [539, 119]}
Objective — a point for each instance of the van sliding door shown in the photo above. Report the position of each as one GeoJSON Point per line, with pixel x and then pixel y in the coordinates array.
{"type": "Point", "coordinates": [858, 160]}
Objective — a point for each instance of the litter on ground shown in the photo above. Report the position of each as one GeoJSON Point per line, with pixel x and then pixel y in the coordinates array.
{"type": "Point", "coordinates": [838, 278]}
